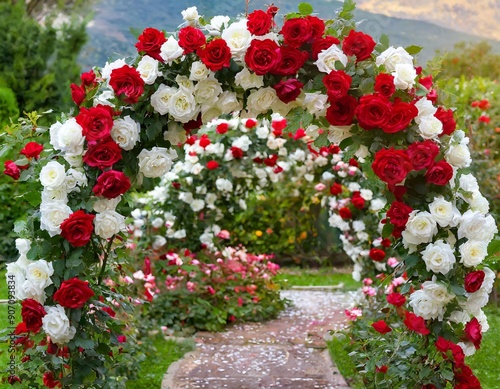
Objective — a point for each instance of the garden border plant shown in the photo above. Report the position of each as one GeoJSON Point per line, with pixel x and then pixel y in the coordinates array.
{"type": "Point", "coordinates": [367, 97]}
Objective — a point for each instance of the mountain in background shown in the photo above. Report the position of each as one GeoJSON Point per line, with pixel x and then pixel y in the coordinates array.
{"type": "Point", "coordinates": [110, 37]}
{"type": "Point", "coordinates": [478, 17]}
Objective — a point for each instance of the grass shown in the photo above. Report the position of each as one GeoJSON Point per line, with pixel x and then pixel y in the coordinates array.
{"type": "Point", "coordinates": [486, 362]}
{"type": "Point", "coordinates": [344, 363]}
{"type": "Point", "coordinates": [167, 352]}
{"type": "Point", "coordinates": [294, 276]}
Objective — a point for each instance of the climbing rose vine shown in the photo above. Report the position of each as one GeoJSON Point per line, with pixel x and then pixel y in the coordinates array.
{"type": "Point", "coordinates": [329, 81]}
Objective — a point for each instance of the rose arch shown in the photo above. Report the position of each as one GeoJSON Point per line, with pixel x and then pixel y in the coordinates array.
{"type": "Point", "coordinates": [308, 79]}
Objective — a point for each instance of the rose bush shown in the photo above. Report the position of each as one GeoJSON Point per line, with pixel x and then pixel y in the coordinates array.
{"type": "Point", "coordinates": [208, 69]}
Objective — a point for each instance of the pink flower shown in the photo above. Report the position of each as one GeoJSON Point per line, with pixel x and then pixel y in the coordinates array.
{"type": "Point", "coordinates": [224, 234]}
{"type": "Point", "coordinates": [369, 291]}
{"type": "Point", "coordinates": [367, 281]}
{"type": "Point", "coordinates": [353, 314]}
{"type": "Point", "coordinates": [392, 262]}
{"type": "Point", "coordinates": [210, 290]}
{"type": "Point", "coordinates": [319, 187]}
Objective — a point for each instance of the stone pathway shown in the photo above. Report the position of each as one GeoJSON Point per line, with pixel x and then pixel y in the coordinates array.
{"type": "Point", "coordinates": [288, 352]}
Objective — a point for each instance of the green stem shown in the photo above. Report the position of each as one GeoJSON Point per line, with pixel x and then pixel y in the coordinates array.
{"type": "Point", "coordinates": [105, 260]}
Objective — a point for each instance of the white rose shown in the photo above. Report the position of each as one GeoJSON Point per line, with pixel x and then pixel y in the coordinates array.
{"type": "Point", "coordinates": [438, 257]}
{"type": "Point", "coordinates": [476, 226]}
{"type": "Point", "coordinates": [156, 162]}
{"type": "Point", "coordinates": [29, 290]}
{"type": "Point", "coordinates": [430, 127]}
{"type": "Point", "coordinates": [228, 102]}
{"type": "Point", "coordinates": [74, 160]}
{"type": "Point", "coordinates": [108, 223]}
{"type": "Point", "coordinates": [104, 97]}
{"type": "Point", "coordinates": [358, 225]}
{"type": "Point", "coordinates": [459, 156]}
{"type": "Point", "coordinates": [425, 306]}
{"type": "Point", "coordinates": [262, 132]}
{"type": "Point", "coordinates": [261, 100]}
{"type": "Point", "coordinates": [336, 221]}
{"type": "Point", "coordinates": [459, 317]}
{"type": "Point", "coordinates": [476, 301]}
{"type": "Point", "coordinates": [438, 291]}
{"type": "Point", "coordinates": [478, 203]}
{"type": "Point", "coordinates": [182, 105]}
{"type": "Point", "coordinates": [367, 194]}
{"type": "Point", "coordinates": [238, 39]}
{"type": "Point", "coordinates": [404, 76]}
{"type": "Point", "coordinates": [420, 228]}
{"type": "Point", "coordinates": [336, 134]}
{"type": "Point", "coordinates": [442, 211]}
{"type": "Point", "coordinates": [56, 324]}
{"type": "Point", "coordinates": [125, 132]}
{"type": "Point", "coordinates": [473, 252]}
{"type": "Point", "coordinates": [181, 234]}
{"type": "Point", "coordinates": [190, 15]}
{"type": "Point", "coordinates": [52, 215]}
{"type": "Point", "coordinates": [224, 185]}
{"type": "Point", "coordinates": [103, 204]}
{"type": "Point", "coordinates": [468, 348]}
{"type": "Point", "coordinates": [197, 205]}
{"type": "Point", "coordinates": [67, 137]}
{"type": "Point", "coordinates": [243, 142]}
{"type": "Point", "coordinates": [161, 98]}
{"type": "Point", "coordinates": [52, 195]}
{"type": "Point", "coordinates": [148, 69]}
{"type": "Point", "coordinates": [392, 57]}
{"type": "Point", "coordinates": [425, 108]}
{"type": "Point", "coordinates": [159, 242]}
{"type": "Point", "coordinates": [187, 197]}
{"type": "Point", "coordinates": [377, 204]}
{"type": "Point", "coordinates": [171, 50]}
{"type": "Point", "coordinates": [327, 58]}
{"type": "Point", "coordinates": [489, 280]}
{"type": "Point", "coordinates": [315, 103]}
{"type": "Point", "coordinates": [23, 246]}
{"type": "Point", "coordinates": [53, 175]}
{"type": "Point", "coordinates": [483, 320]}
{"type": "Point", "coordinates": [206, 91]}
{"type": "Point", "coordinates": [109, 67]}
{"type": "Point", "coordinates": [175, 133]}
{"type": "Point", "coordinates": [468, 183]}
{"type": "Point", "coordinates": [247, 79]}
{"type": "Point", "coordinates": [39, 273]}
{"type": "Point", "coordinates": [217, 23]}
{"type": "Point", "coordinates": [198, 71]}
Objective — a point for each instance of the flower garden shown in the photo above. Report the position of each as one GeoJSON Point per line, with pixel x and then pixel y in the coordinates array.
{"type": "Point", "coordinates": [147, 192]}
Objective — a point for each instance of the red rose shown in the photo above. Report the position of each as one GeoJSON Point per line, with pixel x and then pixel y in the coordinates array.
{"type": "Point", "coordinates": [358, 44]}
{"type": "Point", "coordinates": [426, 82]}
{"type": "Point", "coordinates": [204, 141]}
{"type": "Point", "coordinates": [384, 85]}
{"type": "Point", "coordinates": [49, 380]}
{"type": "Point", "coordinates": [341, 111]}
{"type": "Point", "coordinates": [212, 165]}
{"type": "Point", "coordinates": [88, 78]}
{"type": "Point", "coordinates": [357, 200]}
{"type": "Point", "coordinates": [386, 242]}
{"type": "Point", "coordinates": [111, 184]}
{"type": "Point", "coordinates": [191, 39]}
{"type": "Point", "coordinates": [321, 44]}
{"type": "Point", "coordinates": [377, 255]}
{"type": "Point", "coordinates": [382, 369]}
{"type": "Point", "coordinates": [391, 166]}
{"type": "Point", "coordinates": [337, 84]}
{"type": "Point", "coordinates": [128, 82]}
{"type": "Point", "coordinates": [103, 154]}
{"type": "Point", "coordinates": [399, 213]}
{"type": "Point", "coordinates": [440, 174]}
{"type": "Point", "coordinates": [259, 22]}
{"type": "Point", "coordinates": [296, 31]}
{"type": "Point", "coordinates": [73, 293]}
{"type": "Point", "coordinates": [401, 116]}
{"type": "Point", "coordinates": [262, 56]}
{"type": "Point", "coordinates": [336, 189]}
{"type": "Point", "coordinates": [292, 60]}
{"type": "Point", "coordinates": [11, 169]}
{"type": "Point", "coordinates": [32, 313]}
{"type": "Point", "coordinates": [237, 152]}
{"type": "Point", "coordinates": [473, 333]}
{"type": "Point", "coordinates": [317, 26]}
{"type": "Point", "coordinates": [32, 150]}
{"type": "Point", "coordinates": [216, 55]}
{"type": "Point", "coordinates": [373, 111]}
{"type": "Point", "coordinates": [445, 116]}
{"type": "Point", "coordinates": [382, 327]}
{"type": "Point", "coordinates": [288, 90]}
{"type": "Point", "coordinates": [415, 323]}
{"type": "Point", "coordinates": [222, 128]}
{"type": "Point", "coordinates": [345, 213]}
{"type": "Point", "coordinates": [150, 42]}
{"type": "Point", "coordinates": [271, 160]}
{"type": "Point", "coordinates": [465, 378]}
{"type": "Point", "coordinates": [473, 281]}
{"type": "Point", "coordinates": [396, 299]}
{"type": "Point", "coordinates": [96, 122]}
{"type": "Point", "coordinates": [77, 94]}
{"type": "Point", "coordinates": [422, 154]}
{"type": "Point", "coordinates": [77, 228]}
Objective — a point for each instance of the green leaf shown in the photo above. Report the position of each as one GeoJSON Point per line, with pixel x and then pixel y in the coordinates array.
{"type": "Point", "coordinates": [384, 41]}
{"type": "Point", "coordinates": [413, 49]}
{"type": "Point", "coordinates": [19, 226]}
{"type": "Point", "coordinates": [387, 230]}
{"type": "Point", "coordinates": [458, 290]}
{"type": "Point", "coordinates": [405, 288]}
{"type": "Point", "coordinates": [411, 260]}
{"type": "Point", "coordinates": [346, 143]}
{"type": "Point", "coordinates": [33, 197]}
{"type": "Point", "coordinates": [322, 140]}
{"type": "Point", "coordinates": [494, 247]}
{"type": "Point", "coordinates": [305, 9]}
{"type": "Point", "coordinates": [75, 258]}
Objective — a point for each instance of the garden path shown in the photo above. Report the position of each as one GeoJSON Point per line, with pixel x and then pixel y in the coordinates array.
{"type": "Point", "coordinates": [288, 352]}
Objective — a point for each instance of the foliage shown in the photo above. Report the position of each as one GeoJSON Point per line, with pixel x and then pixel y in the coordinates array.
{"type": "Point", "coordinates": [324, 276]}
